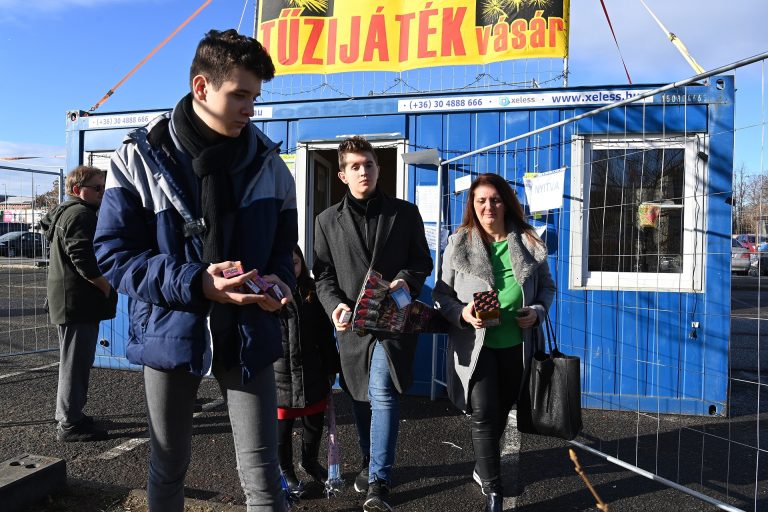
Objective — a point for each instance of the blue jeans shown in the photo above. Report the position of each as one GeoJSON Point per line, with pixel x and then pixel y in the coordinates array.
{"type": "Point", "coordinates": [378, 420]}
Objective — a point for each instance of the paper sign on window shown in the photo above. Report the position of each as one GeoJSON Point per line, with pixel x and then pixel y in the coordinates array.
{"type": "Point", "coordinates": [545, 190]}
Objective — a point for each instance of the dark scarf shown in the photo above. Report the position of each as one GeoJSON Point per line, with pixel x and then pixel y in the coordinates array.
{"type": "Point", "coordinates": [213, 157]}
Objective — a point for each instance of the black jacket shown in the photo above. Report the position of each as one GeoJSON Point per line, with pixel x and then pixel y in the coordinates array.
{"type": "Point", "coordinates": [340, 264]}
{"type": "Point", "coordinates": [72, 298]}
{"type": "Point", "coordinates": [309, 354]}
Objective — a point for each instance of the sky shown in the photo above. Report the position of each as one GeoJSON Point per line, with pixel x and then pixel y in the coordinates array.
{"type": "Point", "coordinates": [60, 55]}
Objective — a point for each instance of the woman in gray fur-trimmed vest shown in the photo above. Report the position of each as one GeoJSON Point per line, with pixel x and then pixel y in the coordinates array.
{"type": "Point", "coordinates": [494, 248]}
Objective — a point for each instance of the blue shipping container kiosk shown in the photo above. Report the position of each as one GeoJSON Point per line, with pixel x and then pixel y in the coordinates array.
{"type": "Point", "coordinates": [632, 320]}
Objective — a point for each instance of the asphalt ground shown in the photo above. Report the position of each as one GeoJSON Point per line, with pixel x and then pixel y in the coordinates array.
{"type": "Point", "coordinates": [434, 458]}
{"type": "Point", "coordinates": [713, 455]}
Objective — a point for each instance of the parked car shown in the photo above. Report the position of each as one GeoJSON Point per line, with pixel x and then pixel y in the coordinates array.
{"type": "Point", "coordinates": [759, 265]}
{"type": "Point", "coordinates": [751, 241]}
{"type": "Point", "coordinates": [7, 227]}
{"type": "Point", "coordinates": [22, 243]}
{"type": "Point", "coordinates": [740, 257]}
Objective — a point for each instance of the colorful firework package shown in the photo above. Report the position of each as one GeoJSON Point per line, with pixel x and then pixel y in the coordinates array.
{"type": "Point", "coordinates": [256, 284]}
{"type": "Point", "coordinates": [487, 307]}
{"type": "Point", "coordinates": [378, 309]}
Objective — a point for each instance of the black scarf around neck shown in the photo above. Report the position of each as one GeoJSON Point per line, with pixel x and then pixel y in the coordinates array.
{"type": "Point", "coordinates": [365, 212]}
{"type": "Point", "coordinates": [213, 157]}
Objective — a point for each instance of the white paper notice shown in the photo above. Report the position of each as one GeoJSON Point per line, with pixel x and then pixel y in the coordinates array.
{"type": "Point", "coordinates": [463, 183]}
{"type": "Point", "coordinates": [545, 190]}
{"type": "Point", "coordinates": [428, 201]}
{"type": "Point", "coordinates": [430, 230]}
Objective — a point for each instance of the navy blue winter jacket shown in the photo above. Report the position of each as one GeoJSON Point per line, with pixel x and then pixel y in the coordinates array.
{"type": "Point", "coordinates": [143, 252]}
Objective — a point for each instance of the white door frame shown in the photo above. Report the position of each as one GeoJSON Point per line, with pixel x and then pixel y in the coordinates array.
{"type": "Point", "coordinates": [305, 183]}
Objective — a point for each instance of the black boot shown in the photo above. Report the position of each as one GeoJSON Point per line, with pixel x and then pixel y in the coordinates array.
{"type": "Point", "coordinates": [361, 480]}
{"type": "Point", "coordinates": [309, 463]}
{"type": "Point", "coordinates": [493, 495]}
{"type": "Point", "coordinates": [292, 483]}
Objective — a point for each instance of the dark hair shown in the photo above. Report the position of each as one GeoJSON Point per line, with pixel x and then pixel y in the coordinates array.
{"type": "Point", "coordinates": [304, 282]}
{"type": "Point", "coordinates": [220, 52]}
{"type": "Point", "coordinates": [514, 213]}
{"type": "Point", "coordinates": [356, 144]}
{"type": "Point", "coordinates": [80, 175]}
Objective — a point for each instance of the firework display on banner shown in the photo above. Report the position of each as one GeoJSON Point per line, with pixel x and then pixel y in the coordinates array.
{"type": "Point", "coordinates": [331, 36]}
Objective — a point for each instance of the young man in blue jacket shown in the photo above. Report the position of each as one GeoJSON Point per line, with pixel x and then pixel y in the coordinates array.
{"type": "Point", "coordinates": [187, 196]}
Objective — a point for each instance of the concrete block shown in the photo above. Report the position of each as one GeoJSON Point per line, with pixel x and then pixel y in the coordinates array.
{"type": "Point", "coordinates": [27, 479]}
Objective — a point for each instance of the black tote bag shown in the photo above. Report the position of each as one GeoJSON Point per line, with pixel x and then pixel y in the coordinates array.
{"type": "Point", "coordinates": [550, 401]}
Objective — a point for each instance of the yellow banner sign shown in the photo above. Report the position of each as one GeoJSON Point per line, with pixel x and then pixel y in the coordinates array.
{"type": "Point", "coordinates": [331, 36]}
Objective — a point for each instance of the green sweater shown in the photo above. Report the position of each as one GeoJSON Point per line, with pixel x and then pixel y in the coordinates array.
{"type": "Point", "coordinates": [507, 333]}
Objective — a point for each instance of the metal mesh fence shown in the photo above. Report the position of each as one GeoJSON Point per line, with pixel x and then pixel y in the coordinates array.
{"type": "Point", "coordinates": [640, 247]}
{"type": "Point", "coordinates": [28, 194]}
{"type": "Point", "coordinates": [522, 74]}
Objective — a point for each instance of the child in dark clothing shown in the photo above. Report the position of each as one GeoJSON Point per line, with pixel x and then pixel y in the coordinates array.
{"type": "Point", "coordinates": [304, 376]}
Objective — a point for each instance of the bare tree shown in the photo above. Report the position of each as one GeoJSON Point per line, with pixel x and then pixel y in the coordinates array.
{"type": "Point", "coordinates": [739, 199]}
{"type": "Point", "coordinates": [49, 199]}
{"type": "Point", "coordinates": [750, 196]}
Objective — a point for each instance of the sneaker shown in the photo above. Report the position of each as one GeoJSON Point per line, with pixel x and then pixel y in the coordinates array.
{"type": "Point", "coordinates": [493, 502]}
{"type": "Point", "coordinates": [492, 492]}
{"type": "Point", "coordinates": [378, 494]}
{"type": "Point", "coordinates": [361, 480]}
{"type": "Point", "coordinates": [476, 478]}
{"type": "Point", "coordinates": [315, 470]}
{"type": "Point", "coordinates": [81, 431]}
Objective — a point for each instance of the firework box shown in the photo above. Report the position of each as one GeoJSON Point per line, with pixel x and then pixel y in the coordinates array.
{"type": "Point", "coordinates": [256, 284]}
{"type": "Point", "coordinates": [377, 310]}
{"type": "Point", "coordinates": [234, 271]}
{"type": "Point", "coordinates": [401, 297]}
{"type": "Point", "coordinates": [265, 287]}
{"type": "Point", "coordinates": [487, 307]}
{"type": "Point", "coordinates": [345, 317]}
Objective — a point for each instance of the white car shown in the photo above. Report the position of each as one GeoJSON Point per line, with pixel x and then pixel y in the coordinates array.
{"type": "Point", "coordinates": [740, 257]}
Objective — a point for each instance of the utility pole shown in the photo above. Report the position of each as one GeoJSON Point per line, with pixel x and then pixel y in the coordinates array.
{"type": "Point", "coordinates": [255, 19]}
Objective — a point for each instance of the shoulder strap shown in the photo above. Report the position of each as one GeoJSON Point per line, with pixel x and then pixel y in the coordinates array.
{"type": "Point", "coordinates": [152, 147]}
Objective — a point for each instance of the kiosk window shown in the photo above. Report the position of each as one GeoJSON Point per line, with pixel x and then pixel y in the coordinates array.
{"type": "Point", "coordinates": [637, 220]}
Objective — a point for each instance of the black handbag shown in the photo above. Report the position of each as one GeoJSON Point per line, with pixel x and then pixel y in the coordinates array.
{"type": "Point", "coordinates": [550, 401]}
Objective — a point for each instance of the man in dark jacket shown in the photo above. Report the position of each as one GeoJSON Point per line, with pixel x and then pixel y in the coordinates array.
{"type": "Point", "coordinates": [188, 195]}
{"type": "Point", "coordinates": [368, 229]}
{"type": "Point", "coordinates": [78, 298]}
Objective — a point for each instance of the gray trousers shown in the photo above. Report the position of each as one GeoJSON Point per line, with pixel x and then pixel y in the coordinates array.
{"type": "Point", "coordinates": [253, 415]}
{"type": "Point", "coordinates": [77, 350]}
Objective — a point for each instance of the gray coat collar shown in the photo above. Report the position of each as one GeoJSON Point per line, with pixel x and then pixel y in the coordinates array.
{"type": "Point", "coordinates": [470, 256]}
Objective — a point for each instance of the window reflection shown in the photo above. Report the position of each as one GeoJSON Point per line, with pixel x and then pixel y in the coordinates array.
{"type": "Point", "coordinates": [636, 210]}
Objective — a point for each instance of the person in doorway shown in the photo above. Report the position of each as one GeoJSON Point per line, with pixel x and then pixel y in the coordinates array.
{"type": "Point", "coordinates": [494, 248]}
{"type": "Point", "coordinates": [368, 229]}
{"type": "Point", "coordinates": [304, 376]}
{"type": "Point", "coordinates": [195, 192]}
{"type": "Point", "coordinates": [79, 297]}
